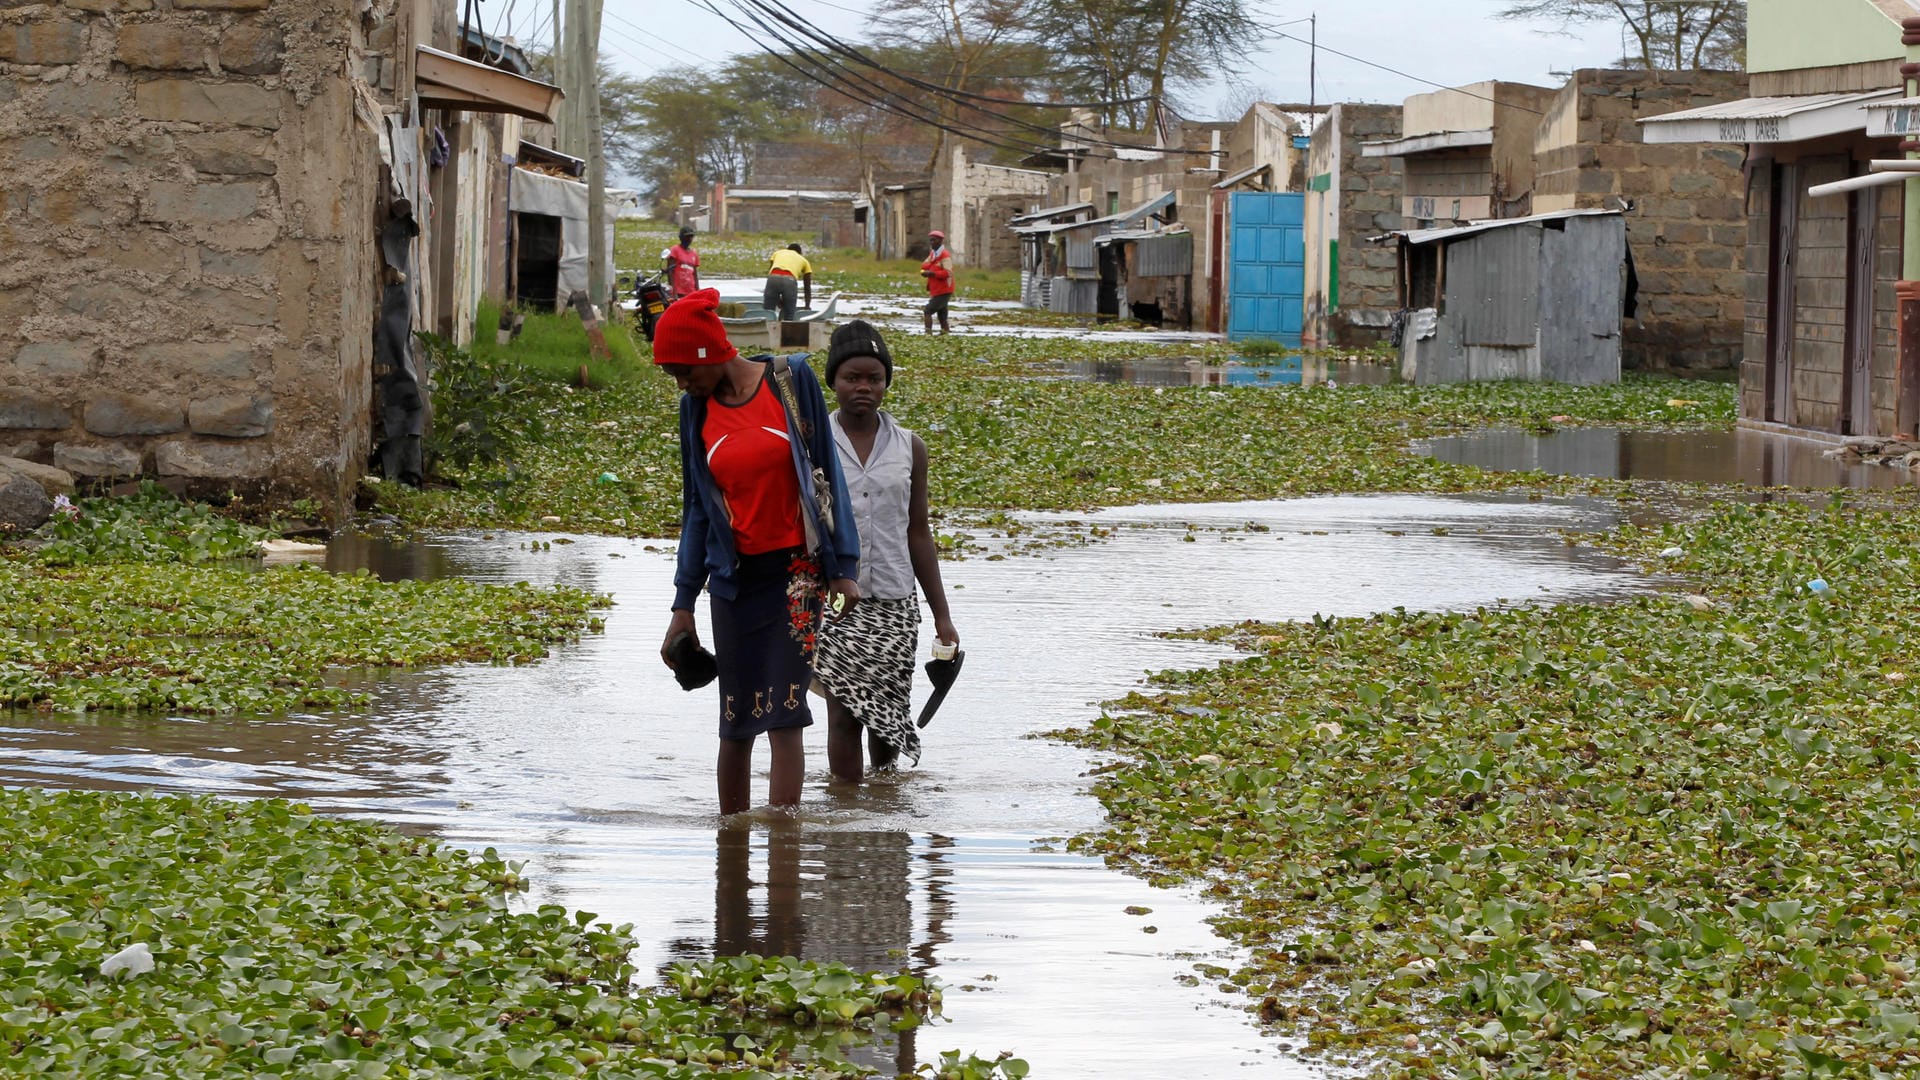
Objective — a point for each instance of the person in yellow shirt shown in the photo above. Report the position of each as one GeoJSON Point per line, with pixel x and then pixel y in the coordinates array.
{"type": "Point", "coordinates": [787, 270]}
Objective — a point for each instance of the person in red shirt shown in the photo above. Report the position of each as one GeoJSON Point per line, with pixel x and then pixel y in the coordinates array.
{"type": "Point", "coordinates": [683, 266]}
{"type": "Point", "coordinates": [938, 270]}
{"type": "Point", "coordinates": [744, 542]}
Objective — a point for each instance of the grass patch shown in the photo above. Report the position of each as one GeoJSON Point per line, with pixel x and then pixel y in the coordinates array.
{"type": "Point", "coordinates": [1654, 838]}
{"type": "Point", "coordinates": [554, 347]}
{"type": "Point", "coordinates": [1006, 433]}
{"type": "Point", "coordinates": [286, 944]}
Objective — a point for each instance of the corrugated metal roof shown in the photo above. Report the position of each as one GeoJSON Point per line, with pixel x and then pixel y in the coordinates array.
{"type": "Point", "coordinates": [1051, 211]}
{"type": "Point", "coordinates": [1243, 174]}
{"type": "Point", "coordinates": [1427, 236]}
{"type": "Point", "coordinates": [790, 193]}
{"type": "Point", "coordinates": [1766, 119]}
{"type": "Point", "coordinates": [1767, 108]}
{"type": "Point", "coordinates": [1421, 144]}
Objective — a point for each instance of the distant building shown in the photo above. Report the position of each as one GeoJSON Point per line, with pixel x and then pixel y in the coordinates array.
{"type": "Point", "coordinates": [1352, 285]}
{"type": "Point", "coordinates": [1686, 227]}
{"type": "Point", "coordinates": [1467, 152]}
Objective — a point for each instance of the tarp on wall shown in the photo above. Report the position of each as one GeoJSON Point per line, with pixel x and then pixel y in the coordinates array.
{"type": "Point", "coordinates": [556, 196]}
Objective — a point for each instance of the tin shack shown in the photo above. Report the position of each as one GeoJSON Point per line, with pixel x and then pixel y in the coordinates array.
{"type": "Point", "coordinates": [1540, 297]}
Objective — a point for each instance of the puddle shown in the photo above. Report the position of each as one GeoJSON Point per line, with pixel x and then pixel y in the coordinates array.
{"type": "Point", "coordinates": [1238, 371]}
{"type": "Point", "coordinates": [595, 769]}
{"type": "Point", "coordinates": [1708, 457]}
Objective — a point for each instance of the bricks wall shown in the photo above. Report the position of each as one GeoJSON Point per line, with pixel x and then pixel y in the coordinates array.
{"type": "Point", "coordinates": [826, 223]}
{"type": "Point", "coordinates": [1688, 226]}
{"type": "Point", "coordinates": [189, 287]}
{"type": "Point", "coordinates": [1341, 264]}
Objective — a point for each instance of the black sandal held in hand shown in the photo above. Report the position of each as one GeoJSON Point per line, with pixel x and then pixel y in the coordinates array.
{"type": "Point", "coordinates": [693, 666]}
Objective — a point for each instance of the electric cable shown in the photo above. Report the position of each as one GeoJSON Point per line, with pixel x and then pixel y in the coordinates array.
{"type": "Point", "coordinates": [794, 20]}
{"type": "Point", "coordinates": [1048, 132]}
{"type": "Point", "coordinates": [1405, 74]}
{"type": "Point", "coordinates": [973, 133]}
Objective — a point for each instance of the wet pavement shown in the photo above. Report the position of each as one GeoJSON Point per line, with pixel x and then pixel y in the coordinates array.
{"type": "Point", "coordinates": [1709, 457]}
{"type": "Point", "coordinates": [597, 770]}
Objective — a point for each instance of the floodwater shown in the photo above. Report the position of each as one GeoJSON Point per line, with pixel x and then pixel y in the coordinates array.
{"type": "Point", "coordinates": [1298, 370]}
{"type": "Point", "coordinates": [595, 769]}
{"type": "Point", "coordinates": [1708, 457]}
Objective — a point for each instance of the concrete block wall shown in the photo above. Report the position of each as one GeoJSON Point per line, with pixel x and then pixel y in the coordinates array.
{"type": "Point", "coordinates": [1688, 226]}
{"type": "Point", "coordinates": [189, 287]}
{"type": "Point", "coordinates": [1353, 286]}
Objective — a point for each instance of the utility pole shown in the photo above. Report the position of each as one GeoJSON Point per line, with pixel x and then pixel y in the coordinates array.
{"type": "Point", "coordinates": [1313, 59]}
{"type": "Point", "coordinates": [596, 157]}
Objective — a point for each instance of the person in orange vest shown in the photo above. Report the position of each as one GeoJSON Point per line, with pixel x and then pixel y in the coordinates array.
{"type": "Point", "coordinates": [938, 270]}
{"type": "Point", "coordinates": [683, 266]}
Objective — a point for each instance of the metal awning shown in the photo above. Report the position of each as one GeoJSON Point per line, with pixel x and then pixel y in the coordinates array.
{"type": "Point", "coordinates": [1050, 212]}
{"type": "Point", "coordinates": [1766, 119]}
{"type": "Point", "coordinates": [1899, 118]}
{"type": "Point", "coordinates": [1426, 144]}
{"type": "Point", "coordinates": [1427, 236]}
{"type": "Point", "coordinates": [1242, 177]}
{"type": "Point", "coordinates": [446, 81]}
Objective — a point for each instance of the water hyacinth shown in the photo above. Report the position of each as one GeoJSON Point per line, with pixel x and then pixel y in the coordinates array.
{"type": "Point", "coordinates": [1648, 838]}
{"type": "Point", "coordinates": [280, 943]}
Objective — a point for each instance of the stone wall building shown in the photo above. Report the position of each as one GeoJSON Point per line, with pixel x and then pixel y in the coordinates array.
{"type": "Point", "coordinates": [1822, 351]}
{"type": "Point", "coordinates": [195, 195]}
{"type": "Point", "coordinates": [1352, 284]}
{"type": "Point", "coordinates": [1687, 227]}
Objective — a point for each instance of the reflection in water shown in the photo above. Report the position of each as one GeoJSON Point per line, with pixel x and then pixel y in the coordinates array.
{"type": "Point", "coordinates": [782, 889]}
{"type": "Point", "coordinates": [1297, 370]}
{"type": "Point", "coordinates": [1709, 457]}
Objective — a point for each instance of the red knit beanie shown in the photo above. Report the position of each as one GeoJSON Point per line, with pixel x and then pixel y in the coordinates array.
{"type": "Point", "coordinates": [689, 332]}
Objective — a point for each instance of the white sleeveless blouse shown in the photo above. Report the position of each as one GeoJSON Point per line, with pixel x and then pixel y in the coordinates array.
{"type": "Point", "coordinates": [881, 489]}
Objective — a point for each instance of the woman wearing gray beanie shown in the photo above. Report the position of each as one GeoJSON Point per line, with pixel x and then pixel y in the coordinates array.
{"type": "Point", "coordinates": [865, 660]}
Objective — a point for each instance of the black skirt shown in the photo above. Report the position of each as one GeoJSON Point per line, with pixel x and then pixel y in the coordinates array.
{"type": "Point", "coordinates": [763, 641]}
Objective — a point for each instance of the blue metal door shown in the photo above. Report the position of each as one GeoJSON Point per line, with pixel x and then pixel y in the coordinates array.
{"type": "Point", "coordinates": [1267, 266]}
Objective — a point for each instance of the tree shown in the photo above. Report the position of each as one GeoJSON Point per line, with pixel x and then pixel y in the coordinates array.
{"type": "Point", "coordinates": [1672, 35]}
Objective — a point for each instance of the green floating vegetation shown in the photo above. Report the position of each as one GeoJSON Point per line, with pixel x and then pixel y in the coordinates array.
{"type": "Point", "coordinates": [214, 639]}
{"type": "Point", "coordinates": [194, 937]}
{"type": "Point", "coordinates": [1005, 432]}
{"type": "Point", "coordinates": [1674, 836]}
{"type": "Point", "coordinates": [150, 526]}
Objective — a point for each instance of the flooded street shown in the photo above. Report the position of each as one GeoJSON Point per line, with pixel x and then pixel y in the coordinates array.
{"type": "Point", "coordinates": [1708, 457]}
{"type": "Point", "coordinates": [595, 769]}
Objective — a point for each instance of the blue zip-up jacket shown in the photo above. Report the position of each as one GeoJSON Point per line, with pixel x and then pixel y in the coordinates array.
{"type": "Point", "coordinates": [707, 557]}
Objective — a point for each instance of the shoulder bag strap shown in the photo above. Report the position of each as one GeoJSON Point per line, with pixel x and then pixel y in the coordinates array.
{"type": "Point", "coordinates": [823, 495]}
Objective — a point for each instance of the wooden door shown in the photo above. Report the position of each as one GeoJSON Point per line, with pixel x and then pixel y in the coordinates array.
{"type": "Point", "coordinates": [1856, 402]}
{"type": "Point", "coordinates": [1781, 266]}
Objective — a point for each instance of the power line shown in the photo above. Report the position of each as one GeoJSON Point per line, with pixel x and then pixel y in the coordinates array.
{"type": "Point", "coordinates": [877, 101]}
{"type": "Point", "coordinates": [637, 29]}
{"type": "Point", "coordinates": [1404, 74]}
{"type": "Point", "coordinates": [793, 19]}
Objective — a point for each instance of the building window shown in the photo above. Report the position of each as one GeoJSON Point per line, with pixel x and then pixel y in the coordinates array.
{"type": "Point", "coordinates": [1113, 203]}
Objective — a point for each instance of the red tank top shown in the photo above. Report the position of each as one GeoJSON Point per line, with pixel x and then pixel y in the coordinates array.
{"type": "Point", "coordinates": [751, 457]}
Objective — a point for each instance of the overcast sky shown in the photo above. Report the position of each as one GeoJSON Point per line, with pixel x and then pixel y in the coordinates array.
{"type": "Point", "coordinates": [1447, 41]}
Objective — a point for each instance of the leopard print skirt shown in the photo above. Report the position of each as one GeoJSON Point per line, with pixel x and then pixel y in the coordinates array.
{"type": "Point", "coordinates": [865, 661]}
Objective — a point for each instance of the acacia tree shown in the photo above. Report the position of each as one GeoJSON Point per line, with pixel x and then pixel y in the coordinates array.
{"type": "Point", "coordinates": [1669, 35]}
{"type": "Point", "coordinates": [1218, 32]}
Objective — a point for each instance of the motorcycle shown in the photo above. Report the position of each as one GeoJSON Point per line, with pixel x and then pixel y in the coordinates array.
{"type": "Point", "coordinates": [651, 298]}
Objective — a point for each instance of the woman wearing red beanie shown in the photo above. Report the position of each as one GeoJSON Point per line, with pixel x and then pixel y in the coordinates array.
{"type": "Point", "coordinates": [748, 508]}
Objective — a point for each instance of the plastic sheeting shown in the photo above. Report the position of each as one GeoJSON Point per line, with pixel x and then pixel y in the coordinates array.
{"type": "Point", "coordinates": [554, 196]}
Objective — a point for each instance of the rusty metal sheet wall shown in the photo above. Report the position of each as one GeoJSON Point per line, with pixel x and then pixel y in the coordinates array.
{"type": "Point", "coordinates": [1493, 287]}
{"type": "Point", "coordinates": [1164, 256]}
{"type": "Point", "coordinates": [1582, 275]}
